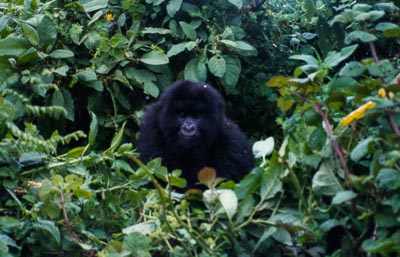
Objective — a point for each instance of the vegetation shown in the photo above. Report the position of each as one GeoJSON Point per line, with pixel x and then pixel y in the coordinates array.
{"type": "Point", "coordinates": [321, 83]}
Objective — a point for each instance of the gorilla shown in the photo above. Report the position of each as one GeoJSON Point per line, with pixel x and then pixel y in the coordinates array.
{"type": "Point", "coordinates": [187, 127]}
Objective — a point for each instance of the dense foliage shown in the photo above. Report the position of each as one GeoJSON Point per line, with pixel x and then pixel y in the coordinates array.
{"type": "Point", "coordinates": [320, 82]}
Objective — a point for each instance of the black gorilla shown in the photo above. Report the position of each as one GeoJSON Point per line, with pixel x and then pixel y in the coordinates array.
{"type": "Point", "coordinates": [188, 129]}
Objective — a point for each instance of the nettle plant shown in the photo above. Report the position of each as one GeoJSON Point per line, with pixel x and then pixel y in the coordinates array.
{"type": "Point", "coordinates": [343, 122]}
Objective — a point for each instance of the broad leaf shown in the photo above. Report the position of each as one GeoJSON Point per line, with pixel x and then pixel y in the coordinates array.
{"type": "Point", "coordinates": [325, 180]}
{"type": "Point", "coordinates": [155, 58]}
{"type": "Point", "coordinates": [237, 3]}
{"type": "Point", "coordinates": [233, 69]}
{"type": "Point", "coordinates": [189, 30]}
{"type": "Point", "coordinates": [359, 35]}
{"type": "Point", "coordinates": [173, 6]}
{"type": "Point", "coordinates": [196, 70]}
{"type": "Point", "coordinates": [352, 69]}
{"type": "Point", "coordinates": [217, 66]}
{"type": "Point", "coordinates": [343, 196]}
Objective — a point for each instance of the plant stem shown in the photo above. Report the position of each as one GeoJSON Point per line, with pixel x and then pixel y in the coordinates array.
{"type": "Point", "coordinates": [66, 220]}
{"type": "Point", "coordinates": [338, 151]}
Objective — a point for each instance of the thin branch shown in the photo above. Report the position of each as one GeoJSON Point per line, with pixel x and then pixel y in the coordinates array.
{"type": "Point", "coordinates": [66, 220]}
{"type": "Point", "coordinates": [338, 152]}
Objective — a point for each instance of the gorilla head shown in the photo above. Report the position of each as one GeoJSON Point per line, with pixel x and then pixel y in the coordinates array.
{"type": "Point", "coordinates": [188, 129]}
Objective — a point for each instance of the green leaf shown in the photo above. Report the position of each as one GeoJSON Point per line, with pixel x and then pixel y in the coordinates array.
{"type": "Point", "coordinates": [151, 30]}
{"type": "Point", "coordinates": [271, 183]}
{"type": "Point", "coordinates": [388, 178]}
{"type": "Point", "coordinates": [47, 30]}
{"type": "Point", "coordinates": [388, 29]}
{"type": "Point", "coordinates": [151, 89]}
{"type": "Point", "coordinates": [87, 75]}
{"type": "Point", "coordinates": [93, 5]}
{"type": "Point", "coordinates": [217, 66]}
{"type": "Point", "coordinates": [155, 58]}
{"type": "Point", "coordinates": [268, 232]}
{"type": "Point", "coordinates": [176, 49]}
{"type": "Point", "coordinates": [309, 6]}
{"type": "Point", "coordinates": [233, 69]}
{"type": "Point", "coordinates": [343, 196]}
{"type": "Point", "coordinates": [359, 35]}
{"type": "Point", "coordinates": [144, 228]}
{"type": "Point", "coordinates": [229, 201]}
{"type": "Point", "coordinates": [196, 70]}
{"type": "Point", "coordinates": [30, 33]}
{"type": "Point", "coordinates": [383, 69]}
{"type": "Point", "coordinates": [317, 139]}
{"type": "Point", "coordinates": [387, 7]}
{"type": "Point", "coordinates": [245, 49]}
{"type": "Point", "coordinates": [137, 244]}
{"type": "Point", "coordinates": [237, 3]}
{"type": "Point", "coordinates": [325, 181]}
{"type": "Point", "coordinates": [83, 193]}
{"type": "Point", "coordinates": [173, 6]}
{"type": "Point", "coordinates": [309, 59]}
{"type": "Point", "coordinates": [352, 69]}
{"type": "Point", "coordinates": [13, 46]}
{"type": "Point", "coordinates": [93, 129]}
{"type": "Point", "coordinates": [49, 228]}
{"type": "Point", "coordinates": [189, 30]}
{"type": "Point", "coordinates": [63, 98]}
{"type": "Point", "coordinates": [245, 208]}
{"type": "Point", "coordinates": [61, 54]}
{"type": "Point", "coordinates": [361, 149]}
{"type": "Point", "coordinates": [117, 139]}
{"type": "Point", "coordinates": [250, 183]}
{"type": "Point", "coordinates": [334, 58]}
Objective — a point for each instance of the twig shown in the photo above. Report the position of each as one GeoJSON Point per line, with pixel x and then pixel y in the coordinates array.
{"type": "Point", "coordinates": [66, 220]}
{"type": "Point", "coordinates": [338, 151]}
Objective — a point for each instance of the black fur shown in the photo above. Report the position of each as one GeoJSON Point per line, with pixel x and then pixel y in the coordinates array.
{"type": "Point", "coordinates": [220, 143]}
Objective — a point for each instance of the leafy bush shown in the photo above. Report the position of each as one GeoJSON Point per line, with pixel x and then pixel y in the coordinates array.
{"type": "Point", "coordinates": [76, 75]}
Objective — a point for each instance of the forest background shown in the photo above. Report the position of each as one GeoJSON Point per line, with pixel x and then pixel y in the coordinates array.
{"type": "Point", "coordinates": [312, 83]}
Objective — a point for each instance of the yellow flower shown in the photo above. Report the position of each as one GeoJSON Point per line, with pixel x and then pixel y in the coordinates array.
{"type": "Point", "coordinates": [357, 114]}
{"type": "Point", "coordinates": [109, 16]}
{"type": "Point", "coordinates": [382, 92]}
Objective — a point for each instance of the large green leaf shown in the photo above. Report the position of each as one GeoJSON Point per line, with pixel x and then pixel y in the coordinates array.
{"type": "Point", "coordinates": [196, 70]}
{"type": "Point", "coordinates": [61, 54]}
{"type": "Point", "coordinates": [30, 33]}
{"type": "Point", "coordinates": [359, 35]}
{"type": "Point", "coordinates": [13, 46]}
{"type": "Point", "coordinates": [189, 30]}
{"type": "Point", "coordinates": [388, 29]}
{"type": "Point", "coordinates": [155, 58]}
{"type": "Point", "coordinates": [233, 69]}
{"type": "Point", "coordinates": [63, 98]}
{"type": "Point", "coordinates": [93, 5]}
{"type": "Point", "coordinates": [217, 66]}
{"type": "Point", "coordinates": [237, 3]}
{"type": "Point", "coordinates": [362, 149]}
{"type": "Point", "coordinates": [47, 30]}
{"type": "Point", "coordinates": [176, 49]}
{"type": "Point", "coordinates": [352, 69]}
{"type": "Point", "coordinates": [173, 6]}
{"type": "Point", "coordinates": [334, 58]}
{"type": "Point", "coordinates": [325, 181]}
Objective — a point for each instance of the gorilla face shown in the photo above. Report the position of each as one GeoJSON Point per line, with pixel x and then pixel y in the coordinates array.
{"type": "Point", "coordinates": [191, 116]}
